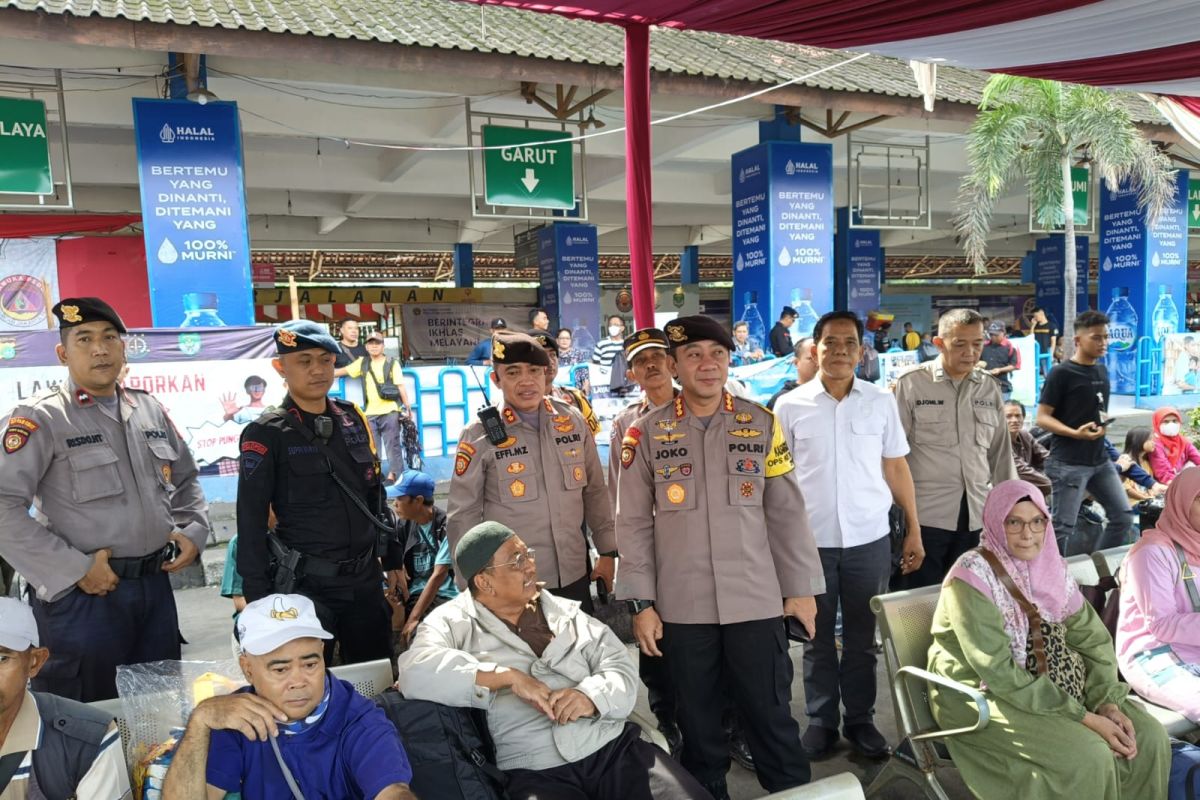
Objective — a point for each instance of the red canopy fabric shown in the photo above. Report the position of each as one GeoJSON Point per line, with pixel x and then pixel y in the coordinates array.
{"type": "Point", "coordinates": [24, 226]}
{"type": "Point", "coordinates": [1150, 45]}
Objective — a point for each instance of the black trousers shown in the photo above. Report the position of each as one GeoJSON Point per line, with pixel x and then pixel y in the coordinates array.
{"type": "Point", "coordinates": [655, 672]}
{"type": "Point", "coordinates": [89, 635]}
{"type": "Point", "coordinates": [580, 590]}
{"type": "Point", "coordinates": [626, 768]}
{"type": "Point", "coordinates": [355, 611]}
{"type": "Point", "coordinates": [942, 549]}
{"type": "Point", "coordinates": [853, 575]}
{"type": "Point", "coordinates": [750, 659]}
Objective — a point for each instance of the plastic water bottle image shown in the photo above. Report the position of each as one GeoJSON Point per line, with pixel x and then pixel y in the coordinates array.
{"type": "Point", "coordinates": [806, 315]}
{"type": "Point", "coordinates": [754, 322]}
{"type": "Point", "coordinates": [1165, 316]}
{"type": "Point", "coordinates": [1121, 358]}
{"type": "Point", "coordinates": [200, 311]}
{"type": "Point", "coordinates": [582, 339]}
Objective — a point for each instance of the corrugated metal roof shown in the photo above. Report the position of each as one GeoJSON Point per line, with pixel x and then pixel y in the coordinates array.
{"type": "Point", "coordinates": [455, 25]}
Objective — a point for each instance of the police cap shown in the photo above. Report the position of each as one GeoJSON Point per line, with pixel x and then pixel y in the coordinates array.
{"type": "Point", "coordinates": [303, 334]}
{"type": "Point", "coordinates": [544, 339]}
{"type": "Point", "coordinates": [511, 347]}
{"type": "Point", "coordinates": [697, 328]}
{"type": "Point", "coordinates": [73, 311]}
{"type": "Point", "coordinates": [645, 339]}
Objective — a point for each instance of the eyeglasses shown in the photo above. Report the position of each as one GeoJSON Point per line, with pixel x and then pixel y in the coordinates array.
{"type": "Point", "coordinates": [1012, 525]}
{"type": "Point", "coordinates": [519, 562]}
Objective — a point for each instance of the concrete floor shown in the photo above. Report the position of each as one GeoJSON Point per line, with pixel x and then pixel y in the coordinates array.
{"type": "Point", "coordinates": [204, 617]}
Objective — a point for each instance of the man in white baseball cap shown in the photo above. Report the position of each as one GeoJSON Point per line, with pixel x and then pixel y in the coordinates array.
{"type": "Point", "coordinates": [294, 723]}
{"type": "Point", "coordinates": [54, 747]}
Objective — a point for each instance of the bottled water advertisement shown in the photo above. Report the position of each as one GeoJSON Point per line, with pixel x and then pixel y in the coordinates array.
{"type": "Point", "coordinates": [1143, 286]}
{"type": "Point", "coordinates": [783, 225]}
{"type": "Point", "coordinates": [193, 213]}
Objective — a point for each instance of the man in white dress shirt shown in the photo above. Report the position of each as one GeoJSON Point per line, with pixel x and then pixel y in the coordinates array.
{"type": "Point", "coordinates": [849, 447]}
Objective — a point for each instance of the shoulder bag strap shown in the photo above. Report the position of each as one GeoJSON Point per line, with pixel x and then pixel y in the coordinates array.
{"type": "Point", "coordinates": [1035, 619]}
{"type": "Point", "coordinates": [1188, 578]}
{"type": "Point", "coordinates": [9, 765]}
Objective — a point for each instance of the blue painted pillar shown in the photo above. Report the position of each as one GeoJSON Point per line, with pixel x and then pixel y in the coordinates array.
{"type": "Point", "coordinates": [689, 265]}
{"type": "Point", "coordinates": [464, 265]}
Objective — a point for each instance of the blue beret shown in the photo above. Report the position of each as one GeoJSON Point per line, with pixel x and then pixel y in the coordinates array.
{"type": "Point", "coordinates": [303, 334]}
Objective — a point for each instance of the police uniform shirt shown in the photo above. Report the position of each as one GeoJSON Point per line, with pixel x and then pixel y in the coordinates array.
{"type": "Point", "coordinates": [620, 424]}
{"type": "Point", "coordinates": [121, 479]}
{"type": "Point", "coordinates": [958, 441]}
{"type": "Point", "coordinates": [281, 468]}
{"type": "Point", "coordinates": [543, 482]}
{"type": "Point", "coordinates": [713, 525]}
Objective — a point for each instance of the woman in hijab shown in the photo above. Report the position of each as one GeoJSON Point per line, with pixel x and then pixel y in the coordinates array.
{"type": "Point", "coordinates": [1158, 637]}
{"type": "Point", "coordinates": [1172, 452]}
{"type": "Point", "coordinates": [1061, 724]}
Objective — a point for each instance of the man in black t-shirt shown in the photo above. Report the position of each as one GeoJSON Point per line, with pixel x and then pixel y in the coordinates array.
{"type": "Point", "coordinates": [1044, 332]}
{"type": "Point", "coordinates": [1073, 407]}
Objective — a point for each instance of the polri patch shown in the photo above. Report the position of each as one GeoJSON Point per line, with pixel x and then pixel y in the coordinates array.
{"type": "Point", "coordinates": [19, 430]}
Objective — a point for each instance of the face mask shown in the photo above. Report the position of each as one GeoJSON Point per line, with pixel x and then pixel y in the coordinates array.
{"type": "Point", "coordinates": [1169, 429]}
{"type": "Point", "coordinates": [614, 330]}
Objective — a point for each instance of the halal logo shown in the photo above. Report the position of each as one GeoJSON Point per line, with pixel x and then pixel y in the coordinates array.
{"type": "Point", "coordinates": [167, 134]}
{"type": "Point", "coordinates": [21, 301]}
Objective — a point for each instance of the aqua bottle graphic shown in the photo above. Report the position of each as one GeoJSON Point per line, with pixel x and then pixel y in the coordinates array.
{"type": "Point", "coordinates": [582, 339]}
{"type": "Point", "coordinates": [1165, 317]}
{"type": "Point", "coordinates": [754, 322]}
{"type": "Point", "coordinates": [806, 315]}
{"type": "Point", "coordinates": [200, 311]}
{"type": "Point", "coordinates": [1121, 358]}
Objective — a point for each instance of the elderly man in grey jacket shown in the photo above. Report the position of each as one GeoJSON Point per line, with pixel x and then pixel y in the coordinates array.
{"type": "Point", "coordinates": [557, 685]}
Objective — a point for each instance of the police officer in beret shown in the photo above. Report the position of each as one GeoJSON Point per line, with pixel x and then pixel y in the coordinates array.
{"type": "Point", "coordinates": [119, 507]}
{"type": "Point", "coordinates": [717, 552]}
{"type": "Point", "coordinates": [543, 479]}
{"type": "Point", "coordinates": [313, 461]}
{"type": "Point", "coordinates": [568, 394]}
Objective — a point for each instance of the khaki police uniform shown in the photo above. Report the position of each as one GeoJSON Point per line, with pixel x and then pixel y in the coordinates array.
{"type": "Point", "coordinates": [714, 530]}
{"type": "Point", "coordinates": [959, 448]}
{"type": "Point", "coordinates": [544, 482]}
{"type": "Point", "coordinates": [120, 479]}
{"type": "Point", "coordinates": [712, 521]}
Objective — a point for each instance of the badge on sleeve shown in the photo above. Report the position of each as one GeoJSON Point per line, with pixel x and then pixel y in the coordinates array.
{"type": "Point", "coordinates": [779, 462]}
{"type": "Point", "coordinates": [462, 459]}
{"type": "Point", "coordinates": [19, 430]}
{"type": "Point", "coordinates": [629, 446]}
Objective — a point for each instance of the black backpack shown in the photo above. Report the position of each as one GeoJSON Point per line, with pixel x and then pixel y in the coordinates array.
{"type": "Point", "coordinates": [450, 758]}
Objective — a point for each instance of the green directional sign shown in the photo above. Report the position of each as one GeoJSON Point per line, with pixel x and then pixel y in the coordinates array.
{"type": "Point", "coordinates": [24, 147]}
{"type": "Point", "coordinates": [1081, 185]}
{"type": "Point", "coordinates": [533, 169]}
{"type": "Point", "coordinates": [1193, 203]}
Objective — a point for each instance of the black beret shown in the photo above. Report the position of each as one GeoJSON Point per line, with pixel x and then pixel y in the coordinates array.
{"type": "Point", "coordinates": [646, 338]}
{"type": "Point", "coordinates": [303, 334]}
{"type": "Point", "coordinates": [698, 328]}
{"type": "Point", "coordinates": [544, 339]}
{"type": "Point", "coordinates": [510, 347]}
{"type": "Point", "coordinates": [72, 311]}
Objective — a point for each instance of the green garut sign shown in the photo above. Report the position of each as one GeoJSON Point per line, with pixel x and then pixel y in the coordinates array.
{"type": "Point", "coordinates": [1193, 204]}
{"type": "Point", "coordinates": [535, 172]}
{"type": "Point", "coordinates": [24, 147]}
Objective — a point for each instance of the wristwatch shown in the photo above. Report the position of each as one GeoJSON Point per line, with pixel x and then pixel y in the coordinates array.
{"type": "Point", "coordinates": [610, 554]}
{"type": "Point", "coordinates": [638, 606]}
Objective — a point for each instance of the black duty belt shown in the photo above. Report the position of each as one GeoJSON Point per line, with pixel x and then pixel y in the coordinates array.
{"type": "Point", "coordinates": [126, 568]}
{"type": "Point", "coordinates": [317, 567]}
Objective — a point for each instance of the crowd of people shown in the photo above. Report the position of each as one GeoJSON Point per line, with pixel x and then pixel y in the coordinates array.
{"type": "Point", "coordinates": [728, 530]}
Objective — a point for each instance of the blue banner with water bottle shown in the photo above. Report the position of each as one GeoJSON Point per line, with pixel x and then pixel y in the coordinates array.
{"type": "Point", "coordinates": [783, 227]}
{"type": "Point", "coordinates": [193, 212]}
{"type": "Point", "coordinates": [858, 267]}
{"type": "Point", "coordinates": [1143, 276]}
{"type": "Point", "coordinates": [568, 256]}
{"type": "Point", "coordinates": [1049, 261]}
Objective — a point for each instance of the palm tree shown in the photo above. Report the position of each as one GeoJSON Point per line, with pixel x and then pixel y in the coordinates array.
{"type": "Point", "coordinates": [1035, 129]}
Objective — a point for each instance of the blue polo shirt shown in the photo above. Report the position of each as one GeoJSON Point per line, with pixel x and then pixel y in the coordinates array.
{"type": "Point", "coordinates": [353, 751]}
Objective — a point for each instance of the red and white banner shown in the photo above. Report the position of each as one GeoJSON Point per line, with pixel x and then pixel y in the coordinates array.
{"type": "Point", "coordinates": [28, 283]}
